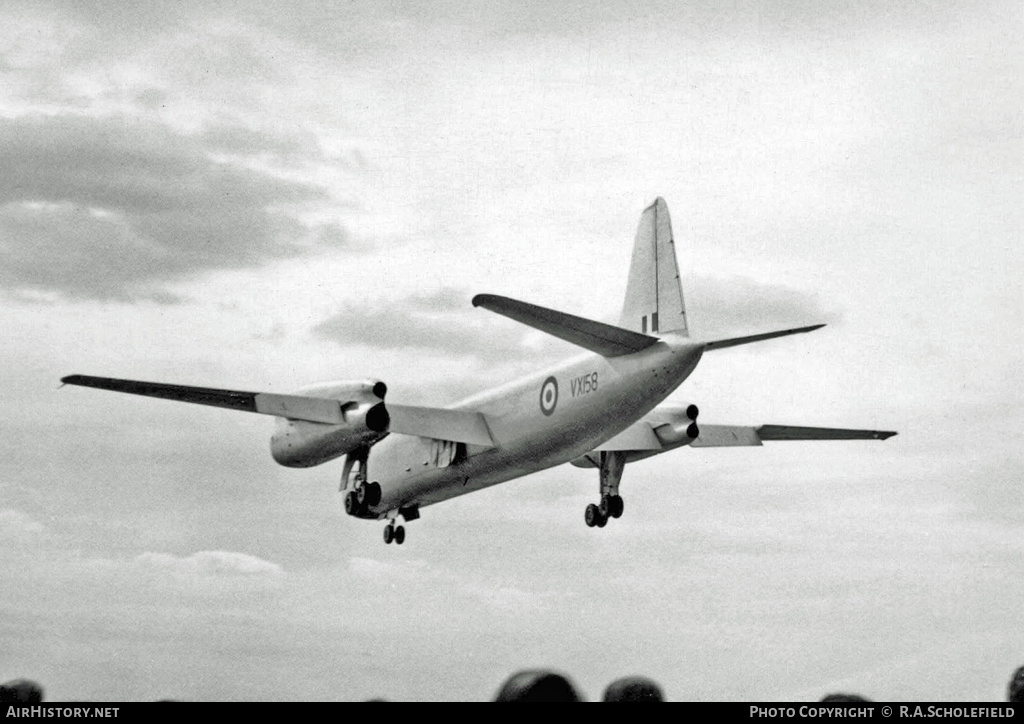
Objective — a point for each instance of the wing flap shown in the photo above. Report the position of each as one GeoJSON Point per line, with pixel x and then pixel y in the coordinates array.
{"type": "Point", "coordinates": [441, 424]}
{"type": "Point", "coordinates": [294, 407]}
{"type": "Point", "coordinates": [726, 436]}
{"type": "Point", "coordinates": [605, 339]}
{"type": "Point", "coordinates": [638, 436]}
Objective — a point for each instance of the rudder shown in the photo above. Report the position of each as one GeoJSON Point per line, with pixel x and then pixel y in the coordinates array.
{"type": "Point", "coordinates": [654, 294]}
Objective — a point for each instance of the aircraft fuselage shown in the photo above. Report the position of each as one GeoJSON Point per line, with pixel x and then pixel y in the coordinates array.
{"type": "Point", "coordinates": [538, 421]}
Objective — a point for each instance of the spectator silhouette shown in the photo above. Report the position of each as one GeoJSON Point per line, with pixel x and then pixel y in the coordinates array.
{"type": "Point", "coordinates": [20, 691]}
{"type": "Point", "coordinates": [842, 698]}
{"type": "Point", "coordinates": [538, 685]}
{"type": "Point", "coordinates": [633, 688]}
{"type": "Point", "coordinates": [1015, 691]}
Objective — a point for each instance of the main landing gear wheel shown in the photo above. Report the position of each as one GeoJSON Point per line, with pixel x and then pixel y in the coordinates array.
{"type": "Point", "coordinates": [394, 533]}
{"type": "Point", "coordinates": [593, 516]}
{"type": "Point", "coordinates": [351, 502]}
{"type": "Point", "coordinates": [611, 505]}
{"type": "Point", "coordinates": [368, 494]}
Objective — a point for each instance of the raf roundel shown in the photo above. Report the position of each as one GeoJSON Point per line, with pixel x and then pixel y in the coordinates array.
{"type": "Point", "coordinates": [548, 395]}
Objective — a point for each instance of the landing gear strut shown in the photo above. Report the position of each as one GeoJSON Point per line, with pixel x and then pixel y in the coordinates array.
{"type": "Point", "coordinates": [611, 505]}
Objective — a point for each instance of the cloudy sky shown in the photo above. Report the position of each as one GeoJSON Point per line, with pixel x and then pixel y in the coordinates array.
{"type": "Point", "coordinates": [260, 196]}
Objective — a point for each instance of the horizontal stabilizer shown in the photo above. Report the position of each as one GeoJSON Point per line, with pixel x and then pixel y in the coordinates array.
{"type": "Point", "coordinates": [295, 407]}
{"type": "Point", "coordinates": [605, 339]}
{"type": "Point", "coordinates": [736, 341]}
{"type": "Point", "coordinates": [440, 424]}
{"type": "Point", "coordinates": [742, 436]}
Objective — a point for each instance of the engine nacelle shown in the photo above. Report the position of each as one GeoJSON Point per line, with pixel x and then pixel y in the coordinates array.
{"type": "Point", "coordinates": [675, 435]}
{"type": "Point", "coordinates": [680, 426]}
{"type": "Point", "coordinates": [303, 444]}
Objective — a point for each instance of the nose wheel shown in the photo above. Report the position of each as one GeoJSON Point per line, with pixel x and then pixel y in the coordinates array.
{"type": "Point", "coordinates": [394, 533]}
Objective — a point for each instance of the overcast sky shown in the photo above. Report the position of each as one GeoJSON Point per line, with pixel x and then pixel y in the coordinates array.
{"type": "Point", "coordinates": [259, 196]}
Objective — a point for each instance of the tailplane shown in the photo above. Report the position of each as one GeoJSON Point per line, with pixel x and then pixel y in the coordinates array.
{"type": "Point", "coordinates": [654, 294]}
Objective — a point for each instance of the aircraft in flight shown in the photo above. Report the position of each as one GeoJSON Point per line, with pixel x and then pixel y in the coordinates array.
{"type": "Point", "coordinates": [602, 409]}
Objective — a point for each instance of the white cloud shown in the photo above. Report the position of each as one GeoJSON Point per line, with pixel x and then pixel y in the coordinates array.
{"type": "Point", "coordinates": [506, 598]}
{"type": "Point", "coordinates": [210, 564]}
{"type": "Point", "coordinates": [15, 525]}
{"type": "Point", "coordinates": [379, 570]}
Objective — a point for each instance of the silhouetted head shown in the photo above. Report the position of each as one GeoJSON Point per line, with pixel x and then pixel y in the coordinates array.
{"type": "Point", "coordinates": [21, 691]}
{"type": "Point", "coordinates": [840, 698]}
{"type": "Point", "coordinates": [633, 688]}
{"type": "Point", "coordinates": [1015, 691]}
{"type": "Point", "coordinates": [538, 685]}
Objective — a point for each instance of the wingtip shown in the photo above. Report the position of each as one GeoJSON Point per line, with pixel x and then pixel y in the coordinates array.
{"type": "Point", "coordinates": [482, 300]}
{"type": "Point", "coordinates": [886, 435]}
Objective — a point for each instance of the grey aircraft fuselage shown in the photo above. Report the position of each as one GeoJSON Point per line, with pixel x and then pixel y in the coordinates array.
{"type": "Point", "coordinates": [594, 398]}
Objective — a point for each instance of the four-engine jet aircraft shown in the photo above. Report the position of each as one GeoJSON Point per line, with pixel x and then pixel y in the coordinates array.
{"type": "Point", "coordinates": [601, 410]}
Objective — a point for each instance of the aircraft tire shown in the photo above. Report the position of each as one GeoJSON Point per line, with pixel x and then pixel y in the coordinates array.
{"type": "Point", "coordinates": [373, 493]}
{"type": "Point", "coordinates": [351, 503]}
{"type": "Point", "coordinates": [616, 506]}
{"type": "Point", "coordinates": [591, 515]}
{"type": "Point", "coordinates": [362, 494]}
{"type": "Point", "coordinates": [602, 521]}
{"type": "Point", "coordinates": [389, 534]}
{"type": "Point", "coordinates": [399, 535]}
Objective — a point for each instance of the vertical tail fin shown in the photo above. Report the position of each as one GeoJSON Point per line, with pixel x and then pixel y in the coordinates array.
{"type": "Point", "coordinates": [654, 295]}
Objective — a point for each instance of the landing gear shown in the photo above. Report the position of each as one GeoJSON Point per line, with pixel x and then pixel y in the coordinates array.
{"type": "Point", "coordinates": [360, 496]}
{"type": "Point", "coordinates": [368, 494]}
{"type": "Point", "coordinates": [394, 533]}
{"type": "Point", "coordinates": [359, 501]}
{"type": "Point", "coordinates": [611, 506]}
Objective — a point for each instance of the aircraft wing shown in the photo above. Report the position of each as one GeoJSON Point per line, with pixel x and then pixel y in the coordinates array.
{"type": "Point", "coordinates": [737, 341]}
{"type": "Point", "coordinates": [668, 427]}
{"type": "Point", "coordinates": [295, 407]}
{"type": "Point", "coordinates": [638, 436]}
{"type": "Point", "coordinates": [740, 436]}
{"type": "Point", "coordinates": [432, 422]}
{"type": "Point", "coordinates": [440, 424]}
